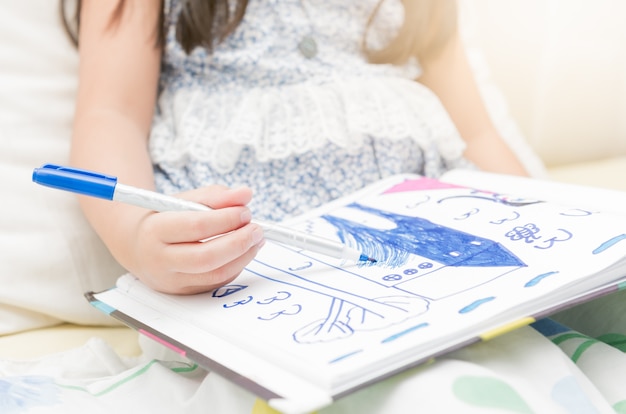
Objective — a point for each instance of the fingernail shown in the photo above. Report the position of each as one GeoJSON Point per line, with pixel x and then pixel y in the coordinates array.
{"type": "Point", "coordinates": [257, 236]}
{"type": "Point", "coordinates": [246, 216]}
{"type": "Point", "coordinates": [238, 188]}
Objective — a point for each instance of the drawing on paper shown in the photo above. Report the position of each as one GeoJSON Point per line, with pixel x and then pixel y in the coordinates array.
{"type": "Point", "coordinates": [413, 251]}
{"type": "Point", "coordinates": [422, 264]}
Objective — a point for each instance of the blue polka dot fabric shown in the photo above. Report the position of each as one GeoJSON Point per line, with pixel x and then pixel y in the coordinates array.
{"type": "Point", "coordinates": [300, 131]}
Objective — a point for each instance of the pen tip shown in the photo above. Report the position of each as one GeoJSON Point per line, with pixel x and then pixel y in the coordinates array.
{"type": "Point", "coordinates": [365, 258]}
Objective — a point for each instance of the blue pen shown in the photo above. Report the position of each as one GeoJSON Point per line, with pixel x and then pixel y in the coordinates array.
{"type": "Point", "coordinates": [106, 186]}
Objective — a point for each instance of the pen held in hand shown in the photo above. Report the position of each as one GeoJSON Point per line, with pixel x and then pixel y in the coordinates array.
{"type": "Point", "coordinates": [105, 186]}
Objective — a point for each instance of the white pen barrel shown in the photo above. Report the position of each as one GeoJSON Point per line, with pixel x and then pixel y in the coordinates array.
{"type": "Point", "coordinates": [308, 242]}
{"type": "Point", "coordinates": [154, 201]}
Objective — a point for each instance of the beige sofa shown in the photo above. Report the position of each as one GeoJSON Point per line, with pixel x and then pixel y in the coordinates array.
{"type": "Point", "coordinates": [561, 66]}
{"type": "Point", "coordinates": [558, 66]}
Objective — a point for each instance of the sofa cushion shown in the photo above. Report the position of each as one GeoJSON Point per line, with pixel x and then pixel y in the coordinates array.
{"type": "Point", "coordinates": [561, 67]}
{"type": "Point", "coordinates": [605, 173]}
{"type": "Point", "coordinates": [48, 253]}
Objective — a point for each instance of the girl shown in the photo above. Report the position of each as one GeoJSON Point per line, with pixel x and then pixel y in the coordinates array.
{"type": "Point", "coordinates": [294, 101]}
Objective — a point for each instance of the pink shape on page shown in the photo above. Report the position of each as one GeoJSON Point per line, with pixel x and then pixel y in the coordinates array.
{"type": "Point", "coordinates": [423, 183]}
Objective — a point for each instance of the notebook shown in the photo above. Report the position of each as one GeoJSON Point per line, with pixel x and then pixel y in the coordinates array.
{"type": "Point", "coordinates": [461, 259]}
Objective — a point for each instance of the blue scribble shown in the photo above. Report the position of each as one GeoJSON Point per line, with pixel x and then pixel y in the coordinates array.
{"type": "Point", "coordinates": [516, 215]}
{"type": "Point", "coordinates": [609, 243]}
{"type": "Point", "coordinates": [348, 355]}
{"type": "Point", "coordinates": [418, 236]}
{"type": "Point", "coordinates": [226, 290]}
{"type": "Point", "coordinates": [329, 328]}
{"type": "Point", "coordinates": [405, 332]}
{"type": "Point", "coordinates": [302, 267]}
{"type": "Point", "coordinates": [472, 306]}
{"type": "Point", "coordinates": [535, 280]}
{"type": "Point", "coordinates": [527, 232]}
{"type": "Point", "coordinates": [238, 302]}
{"type": "Point", "coordinates": [550, 242]}
{"type": "Point", "coordinates": [497, 198]}
{"type": "Point", "coordinates": [577, 212]}
{"type": "Point", "coordinates": [18, 394]}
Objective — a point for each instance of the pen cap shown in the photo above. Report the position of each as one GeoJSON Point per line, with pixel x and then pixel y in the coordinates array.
{"type": "Point", "coordinates": [75, 180]}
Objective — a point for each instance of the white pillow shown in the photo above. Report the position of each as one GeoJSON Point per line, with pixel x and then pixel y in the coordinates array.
{"type": "Point", "coordinates": [49, 256]}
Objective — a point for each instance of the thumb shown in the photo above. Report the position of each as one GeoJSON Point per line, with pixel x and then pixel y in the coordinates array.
{"type": "Point", "coordinates": [218, 196]}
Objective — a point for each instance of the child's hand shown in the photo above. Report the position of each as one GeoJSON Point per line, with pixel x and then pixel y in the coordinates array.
{"type": "Point", "coordinates": [168, 255]}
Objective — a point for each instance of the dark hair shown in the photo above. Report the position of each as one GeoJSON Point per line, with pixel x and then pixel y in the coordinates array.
{"type": "Point", "coordinates": [428, 24]}
{"type": "Point", "coordinates": [201, 22]}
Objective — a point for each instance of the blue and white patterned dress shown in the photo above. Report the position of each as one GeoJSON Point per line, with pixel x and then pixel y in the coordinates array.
{"type": "Point", "coordinates": [300, 132]}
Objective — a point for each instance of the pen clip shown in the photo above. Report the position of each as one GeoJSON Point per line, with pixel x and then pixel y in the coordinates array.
{"type": "Point", "coordinates": [75, 180]}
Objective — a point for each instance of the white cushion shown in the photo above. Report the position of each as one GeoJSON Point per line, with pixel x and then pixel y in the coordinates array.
{"type": "Point", "coordinates": [48, 253]}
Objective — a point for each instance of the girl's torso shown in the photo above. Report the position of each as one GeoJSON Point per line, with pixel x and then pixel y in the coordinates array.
{"type": "Point", "coordinates": [300, 131]}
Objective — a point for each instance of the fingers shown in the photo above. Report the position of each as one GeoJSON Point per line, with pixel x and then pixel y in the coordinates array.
{"type": "Point", "coordinates": [192, 266]}
{"type": "Point", "coordinates": [192, 226]}
{"type": "Point", "coordinates": [202, 257]}
{"type": "Point", "coordinates": [217, 196]}
{"type": "Point", "coordinates": [187, 284]}
{"type": "Point", "coordinates": [228, 214]}
{"type": "Point", "coordinates": [196, 251]}
{"type": "Point", "coordinates": [203, 275]}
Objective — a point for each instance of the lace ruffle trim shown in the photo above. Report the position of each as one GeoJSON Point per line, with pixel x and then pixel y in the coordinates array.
{"type": "Point", "coordinates": [294, 119]}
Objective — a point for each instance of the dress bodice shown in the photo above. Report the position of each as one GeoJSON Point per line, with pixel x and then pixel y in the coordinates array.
{"type": "Point", "coordinates": [257, 99]}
